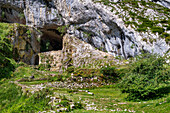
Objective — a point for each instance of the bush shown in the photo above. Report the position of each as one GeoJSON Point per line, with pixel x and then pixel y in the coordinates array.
{"type": "Point", "coordinates": [109, 73]}
{"type": "Point", "coordinates": [70, 69]}
{"type": "Point", "coordinates": [147, 78]}
{"type": "Point", "coordinates": [7, 64]}
{"type": "Point", "coordinates": [157, 29]}
{"type": "Point", "coordinates": [78, 105]}
{"type": "Point", "coordinates": [43, 67]}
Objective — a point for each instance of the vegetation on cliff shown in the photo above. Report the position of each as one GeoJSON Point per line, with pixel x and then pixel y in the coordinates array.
{"type": "Point", "coordinates": [7, 64]}
{"type": "Point", "coordinates": [90, 82]}
{"type": "Point", "coordinates": [137, 14]}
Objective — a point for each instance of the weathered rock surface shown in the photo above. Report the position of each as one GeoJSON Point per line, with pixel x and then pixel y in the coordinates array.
{"type": "Point", "coordinates": [79, 53]}
{"type": "Point", "coordinates": [103, 26]}
{"type": "Point", "coordinates": [12, 12]}
{"type": "Point", "coordinates": [75, 53]}
{"type": "Point", "coordinates": [165, 3]}
{"type": "Point", "coordinates": [26, 44]}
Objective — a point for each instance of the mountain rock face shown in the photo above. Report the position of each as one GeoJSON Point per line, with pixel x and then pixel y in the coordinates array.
{"type": "Point", "coordinates": [119, 27]}
{"type": "Point", "coordinates": [78, 53]}
{"type": "Point", "coordinates": [75, 53]}
{"type": "Point", "coordinates": [165, 3]}
{"type": "Point", "coordinates": [26, 43]}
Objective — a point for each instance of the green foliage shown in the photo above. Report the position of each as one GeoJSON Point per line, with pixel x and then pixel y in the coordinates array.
{"type": "Point", "coordinates": [144, 39]}
{"type": "Point", "coordinates": [7, 64]}
{"type": "Point", "coordinates": [142, 29]}
{"type": "Point", "coordinates": [9, 93]}
{"type": "Point", "coordinates": [168, 28]}
{"type": "Point", "coordinates": [62, 29]}
{"type": "Point", "coordinates": [78, 105]}
{"type": "Point", "coordinates": [12, 100]}
{"type": "Point", "coordinates": [147, 78]}
{"type": "Point", "coordinates": [158, 29]}
{"type": "Point", "coordinates": [87, 34]}
{"type": "Point", "coordinates": [21, 15]}
{"type": "Point", "coordinates": [43, 67]}
{"type": "Point", "coordinates": [110, 73]}
{"type": "Point", "coordinates": [70, 69]}
{"type": "Point", "coordinates": [45, 45]}
{"type": "Point", "coordinates": [64, 103]}
{"type": "Point", "coordinates": [167, 39]}
{"type": "Point", "coordinates": [86, 72]}
{"type": "Point", "coordinates": [3, 14]}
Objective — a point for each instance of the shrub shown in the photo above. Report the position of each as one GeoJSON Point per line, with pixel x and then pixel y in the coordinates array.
{"type": "Point", "coordinates": [110, 73]}
{"type": "Point", "coordinates": [70, 69]}
{"type": "Point", "coordinates": [78, 105]}
{"type": "Point", "coordinates": [7, 64]}
{"type": "Point", "coordinates": [147, 78]}
{"type": "Point", "coordinates": [167, 39]}
{"type": "Point", "coordinates": [64, 103]}
{"type": "Point", "coordinates": [168, 28]}
{"type": "Point", "coordinates": [43, 67]}
{"type": "Point", "coordinates": [157, 29]}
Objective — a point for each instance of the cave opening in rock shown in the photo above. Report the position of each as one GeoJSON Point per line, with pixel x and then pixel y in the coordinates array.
{"type": "Point", "coordinates": [51, 40]}
{"type": "Point", "coordinates": [36, 60]}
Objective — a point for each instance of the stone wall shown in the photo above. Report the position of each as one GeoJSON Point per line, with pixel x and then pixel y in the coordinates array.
{"type": "Point", "coordinates": [51, 59]}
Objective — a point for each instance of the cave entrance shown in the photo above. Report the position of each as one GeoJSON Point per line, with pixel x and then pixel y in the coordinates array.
{"type": "Point", "coordinates": [51, 44]}
{"type": "Point", "coordinates": [50, 41]}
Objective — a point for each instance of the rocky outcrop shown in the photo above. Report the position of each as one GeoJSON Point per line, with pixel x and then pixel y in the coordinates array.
{"type": "Point", "coordinates": [26, 45]}
{"type": "Point", "coordinates": [12, 12]}
{"type": "Point", "coordinates": [165, 3]}
{"type": "Point", "coordinates": [121, 29]}
{"type": "Point", "coordinates": [78, 53]}
{"type": "Point", "coordinates": [96, 24]}
{"type": "Point", "coordinates": [75, 53]}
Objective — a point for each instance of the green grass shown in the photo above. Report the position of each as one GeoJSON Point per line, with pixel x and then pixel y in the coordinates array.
{"type": "Point", "coordinates": [106, 97]}
{"type": "Point", "coordinates": [13, 100]}
{"type": "Point", "coordinates": [112, 98]}
{"type": "Point", "coordinates": [5, 29]}
{"type": "Point", "coordinates": [25, 72]}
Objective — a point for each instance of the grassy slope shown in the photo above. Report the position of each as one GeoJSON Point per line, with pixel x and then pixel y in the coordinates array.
{"type": "Point", "coordinates": [106, 98]}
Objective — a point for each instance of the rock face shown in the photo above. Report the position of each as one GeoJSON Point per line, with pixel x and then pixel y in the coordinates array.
{"type": "Point", "coordinates": [12, 12]}
{"type": "Point", "coordinates": [121, 29]}
{"type": "Point", "coordinates": [26, 44]}
{"type": "Point", "coordinates": [79, 53]}
{"type": "Point", "coordinates": [96, 24]}
{"type": "Point", "coordinates": [75, 53]}
{"type": "Point", "coordinates": [165, 3]}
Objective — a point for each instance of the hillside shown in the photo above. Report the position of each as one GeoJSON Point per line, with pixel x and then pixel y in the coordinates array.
{"type": "Point", "coordinates": [84, 56]}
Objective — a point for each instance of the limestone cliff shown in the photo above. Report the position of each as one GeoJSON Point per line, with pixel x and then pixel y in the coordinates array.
{"type": "Point", "coordinates": [119, 27]}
